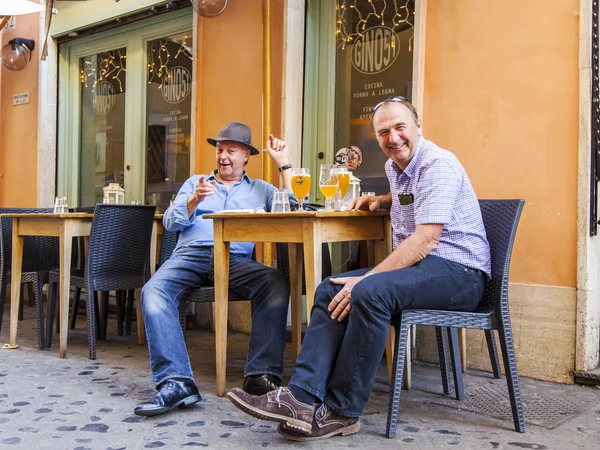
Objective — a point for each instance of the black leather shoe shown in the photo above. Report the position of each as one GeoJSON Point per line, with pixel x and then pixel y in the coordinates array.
{"type": "Point", "coordinates": [172, 394]}
{"type": "Point", "coordinates": [261, 384]}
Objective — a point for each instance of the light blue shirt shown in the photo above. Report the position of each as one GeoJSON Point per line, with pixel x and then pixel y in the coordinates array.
{"type": "Point", "coordinates": [198, 232]}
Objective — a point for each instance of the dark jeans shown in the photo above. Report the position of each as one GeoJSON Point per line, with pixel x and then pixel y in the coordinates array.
{"type": "Point", "coordinates": [338, 360]}
{"type": "Point", "coordinates": [267, 288]}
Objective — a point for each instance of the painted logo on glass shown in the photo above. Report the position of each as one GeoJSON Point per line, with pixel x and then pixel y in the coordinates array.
{"type": "Point", "coordinates": [177, 85]}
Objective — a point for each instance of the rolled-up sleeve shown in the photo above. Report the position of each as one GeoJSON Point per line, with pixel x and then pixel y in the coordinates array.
{"type": "Point", "coordinates": [176, 217]}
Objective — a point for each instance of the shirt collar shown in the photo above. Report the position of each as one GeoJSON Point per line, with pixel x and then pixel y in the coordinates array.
{"type": "Point", "coordinates": [414, 162]}
{"type": "Point", "coordinates": [212, 176]}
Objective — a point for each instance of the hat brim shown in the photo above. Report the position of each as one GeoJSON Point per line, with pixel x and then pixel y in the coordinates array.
{"type": "Point", "coordinates": [213, 142]}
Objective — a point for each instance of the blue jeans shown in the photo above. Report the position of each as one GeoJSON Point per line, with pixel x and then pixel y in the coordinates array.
{"type": "Point", "coordinates": [338, 360]}
{"type": "Point", "coordinates": [268, 289]}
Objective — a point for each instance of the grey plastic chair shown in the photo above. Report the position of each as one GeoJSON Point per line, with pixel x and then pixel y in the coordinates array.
{"type": "Point", "coordinates": [118, 260]}
{"type": "Point", "coordinates": [501, 218]}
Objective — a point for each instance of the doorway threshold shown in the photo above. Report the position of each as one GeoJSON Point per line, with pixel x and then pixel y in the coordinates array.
{"type": "Point", "coordinates": [589, 377]}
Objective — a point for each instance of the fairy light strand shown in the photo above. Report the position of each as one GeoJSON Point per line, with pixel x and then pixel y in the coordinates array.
{"type": "Point", "coordinates": [347, 32]}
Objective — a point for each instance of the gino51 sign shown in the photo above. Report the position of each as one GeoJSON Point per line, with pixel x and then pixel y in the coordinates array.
{"type": "Point", "coordinates": [375, 50]}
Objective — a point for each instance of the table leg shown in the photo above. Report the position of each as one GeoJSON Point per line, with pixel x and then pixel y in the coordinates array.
{"type": "Point", "coordinates": [15, 286]}
{"type": "Point", "coordinates": [462, 343]}
{"type": "Point", "coordinates": [221, 282]}
{"type": "Point", "coordinates": [139, 318]}
{"type": "Point", "coordinates": [65, 243]}
{"type": "Point", "coordinates": [295, 265]}
{"type": "Point", "coordinates": [313, 260]}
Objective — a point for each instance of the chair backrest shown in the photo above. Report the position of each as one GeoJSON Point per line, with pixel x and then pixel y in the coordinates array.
{"type": "Point", "coordinates": [40, 253]}
{"type": "Point", "coordinates": [283, 263]}
{"type": "Point", "coordinates": [168, 244]}
{"type": "Point", "coordinates": [118, 257]}
{"type": "Point", "coordinates": [501, 219]}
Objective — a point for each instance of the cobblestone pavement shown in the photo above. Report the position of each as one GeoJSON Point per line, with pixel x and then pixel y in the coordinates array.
{"type": "Point", "coordinates": [74, 403]}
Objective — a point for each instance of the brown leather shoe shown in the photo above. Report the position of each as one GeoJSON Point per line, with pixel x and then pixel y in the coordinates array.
{"type": "Point", "coordinates": [326, 424]}
{"type": "Point", "coordinates": [277, 406]}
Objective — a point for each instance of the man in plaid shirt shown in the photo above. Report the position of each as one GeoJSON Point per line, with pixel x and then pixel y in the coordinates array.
{"type": "Point", "coordinates": [441, 260]}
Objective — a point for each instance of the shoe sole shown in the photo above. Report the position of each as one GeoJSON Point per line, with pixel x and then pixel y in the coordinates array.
{"type": "Point", "coordinates": [295, 424]}
{"type": "Point", "coordinates": [346, 431]}
{"type": "Point", "coordinates": [188, 401]}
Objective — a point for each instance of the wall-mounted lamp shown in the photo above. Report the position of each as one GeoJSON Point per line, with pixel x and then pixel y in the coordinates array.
{"type": "Point", "coordinates": [17, 53]}
{"type": "Point", "coordinates": [209, 8]}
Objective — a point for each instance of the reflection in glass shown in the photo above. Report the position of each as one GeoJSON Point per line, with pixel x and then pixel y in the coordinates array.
{"type": "Point", "coordinates": [168, 110]}
{"type": "Point", "coordinates": [102, 88]}
{"type": "Point", "coordinates": [374, 60]}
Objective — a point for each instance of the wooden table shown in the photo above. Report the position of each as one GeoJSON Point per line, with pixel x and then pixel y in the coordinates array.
{"type": "Point", "coordinates": [309, 229]}
{"type": "Point", "coordinates": [65, 227]}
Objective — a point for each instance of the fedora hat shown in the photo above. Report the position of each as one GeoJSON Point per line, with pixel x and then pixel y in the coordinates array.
{"type": "Point", "coordinates": [235, 132]}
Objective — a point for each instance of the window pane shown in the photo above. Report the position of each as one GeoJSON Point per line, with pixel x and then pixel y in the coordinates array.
{"type": "Point", "coordinates": [169, 108]}
{"type": "Point", "coordinates": [102, 137]}
{"type": "Point", "coordinates": [374, 60]}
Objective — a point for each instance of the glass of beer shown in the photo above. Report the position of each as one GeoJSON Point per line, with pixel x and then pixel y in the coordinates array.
{"type": "Point", "coordinates": [328, 183]}
{"type": "Point", "coordinates": [301, 185]}
{"type": "Point", "coordinates": [344, 180]}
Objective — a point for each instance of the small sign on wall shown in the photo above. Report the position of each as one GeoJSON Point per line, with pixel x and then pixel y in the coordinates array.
{"type": "Point", "coordinates": [12, 23]}
{"type": "Point", "coordinates": [21, 99]}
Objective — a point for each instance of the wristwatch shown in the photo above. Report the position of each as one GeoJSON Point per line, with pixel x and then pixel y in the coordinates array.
{"type": "Point", "coordinates": [286, 167]}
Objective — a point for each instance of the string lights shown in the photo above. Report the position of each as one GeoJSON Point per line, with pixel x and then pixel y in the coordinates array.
{"type": "Point", "coordinates": [353, 17]}
{"type": "Point", "coordinates": [159, 57]}
{"type": "Point", "coordinates": [112, 65]}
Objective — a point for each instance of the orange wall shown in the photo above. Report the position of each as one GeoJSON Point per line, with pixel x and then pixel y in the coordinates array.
{"type": "Point", "coordinates": [18, 127]}
{"type": "Point", "coordinates": [229, 77]}
{"type": "Point", "coordinates": [501, 92]}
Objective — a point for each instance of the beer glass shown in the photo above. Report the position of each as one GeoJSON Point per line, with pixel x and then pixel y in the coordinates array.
{"type": "Point", "coordinates": [328, 183]}
{"type": "Point", "coordinates": [301, 185]}
{"type": "Point", "coordinates": [344, 180]}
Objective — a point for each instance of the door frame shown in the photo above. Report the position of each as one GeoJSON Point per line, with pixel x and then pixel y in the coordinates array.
{"type": "Point", "coordinates": [134, 38]}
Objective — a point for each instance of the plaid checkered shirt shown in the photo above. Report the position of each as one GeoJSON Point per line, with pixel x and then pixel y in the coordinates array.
{"type": "Point", "coordinates": [442, 194]}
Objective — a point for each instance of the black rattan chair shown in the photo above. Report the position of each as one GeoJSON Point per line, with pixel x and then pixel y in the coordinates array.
{"type": "Point", "coordinates": [501, 218]}
{"type": "Point", "coordinates": [204, 294]}
{"type": "Point", "coordinates": [118, 260]}
{"type": "Point", "coordinates": [40, 256]}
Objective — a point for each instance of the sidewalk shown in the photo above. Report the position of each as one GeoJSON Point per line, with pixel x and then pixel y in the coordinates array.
{"type": "Point", "coordinates": [74, 403]}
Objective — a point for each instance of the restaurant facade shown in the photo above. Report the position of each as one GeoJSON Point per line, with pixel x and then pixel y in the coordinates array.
{"type": "Point", "coordinates": [130, 91]}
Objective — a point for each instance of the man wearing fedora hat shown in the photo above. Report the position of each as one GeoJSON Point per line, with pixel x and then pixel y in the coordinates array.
{"type": "Point", "coordinates": [227, 187]}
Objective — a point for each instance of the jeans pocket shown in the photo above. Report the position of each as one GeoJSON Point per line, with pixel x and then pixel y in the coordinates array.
{"type": "Point", "coordinates": [470, 295]}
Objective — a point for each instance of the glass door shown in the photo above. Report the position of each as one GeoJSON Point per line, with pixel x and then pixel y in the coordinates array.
{"type": "Point", "coordinates": [125, 107]}
{"type": "Point", "coordinates": [102, 119]}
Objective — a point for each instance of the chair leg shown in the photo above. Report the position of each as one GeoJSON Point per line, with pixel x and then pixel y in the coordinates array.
{"type": "Point", "coordinates": [75, 308]}
{"type": "Point", "coordinates": [96, 316]}
{"type": "Point", "coordinates": [396, 387]}
{"type": "Point", "coordinates": [92, 317]}
{"type": "Point", "coordinates": [442, 343]}
{"type": "Point", "coordinates": [129, 313]}
{"type": "Point", "coordinates": [52, 301]}
{"type": "Point", "coordinates": [512, 378]}
{"type": "Point", "coordinates": [104, 318]}
{"type": "Point", "coordinates": [21, 303]}
{"type": "Point", "coordinates": [491, 344]}
{"type": "Point", "coordinates": [456, 363]}
{"type": "Point", "coordinates": [3, 280]}
{"type": "Point", "coordinates": [31, 294]}
{"type": "Point", "coordinates": [39, 301]}
{"type": "Point", "coordinates": [120, 308]}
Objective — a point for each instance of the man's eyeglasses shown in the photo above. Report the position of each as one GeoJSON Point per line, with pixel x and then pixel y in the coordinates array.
{"type": "Point", "coordinates": [397, 99]}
